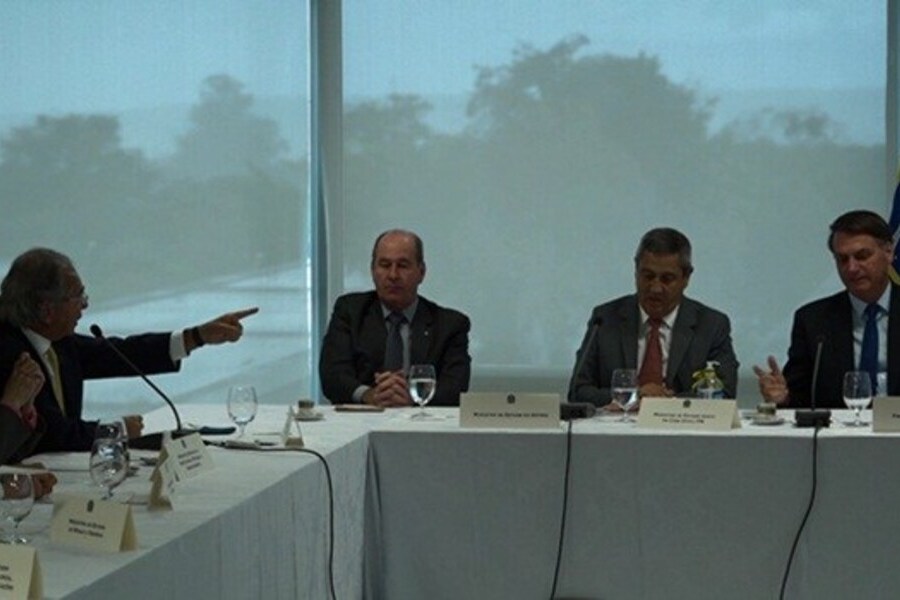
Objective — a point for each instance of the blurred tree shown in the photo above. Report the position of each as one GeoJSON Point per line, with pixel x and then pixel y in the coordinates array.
{"type": "Point", "coordinates": [226, 138]}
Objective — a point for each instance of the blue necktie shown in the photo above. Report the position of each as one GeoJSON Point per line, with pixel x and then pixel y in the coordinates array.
{"type": "Point", "coordinates": [868, 356]}
{"type": "Point", "coordinates": [393, 352]}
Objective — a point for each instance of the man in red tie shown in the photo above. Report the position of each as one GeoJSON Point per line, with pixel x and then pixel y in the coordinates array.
{"type": "Point", "coordinates": [658, 331]}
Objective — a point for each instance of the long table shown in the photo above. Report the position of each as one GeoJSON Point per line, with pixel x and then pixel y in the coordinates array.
{"type": "Point", "coordinates": [427, 510]}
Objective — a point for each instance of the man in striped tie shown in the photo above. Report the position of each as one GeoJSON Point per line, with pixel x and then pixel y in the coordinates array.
{"type": "Point", "coordinates": [666, 336]}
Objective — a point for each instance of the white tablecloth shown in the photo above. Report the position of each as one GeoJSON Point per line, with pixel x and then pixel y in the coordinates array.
{"type": "Point", "coordinates": [426, 510]}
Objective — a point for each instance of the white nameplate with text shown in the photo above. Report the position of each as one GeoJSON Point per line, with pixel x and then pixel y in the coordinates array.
{"type": "Point", "coordinates": [20, 572]}
{"type": "Point", "coordinates": [93, 524]}
{"type": "Point", "coordinates": [886, 414]}
{"type": "Point", "coordinates": [688, 413]}
{"type": "Point", "coordinates": [162, 485]}
{"type": "Point", "coordinates": [516, 411]}
{"type": "Point", "coordinates": [189, 455]}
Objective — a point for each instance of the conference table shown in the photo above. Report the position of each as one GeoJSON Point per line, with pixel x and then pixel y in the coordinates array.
{"type": "Point", "coordinates": [425, 509]}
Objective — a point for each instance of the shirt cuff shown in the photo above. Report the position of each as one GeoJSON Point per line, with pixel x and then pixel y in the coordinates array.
{"type": "Point", "coordinates": [358, 393]}
{"type": "Point", "coordinates": [177, 350]}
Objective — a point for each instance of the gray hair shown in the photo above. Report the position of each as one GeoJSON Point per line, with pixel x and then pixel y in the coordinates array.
{"type": "Point", "coordinates": [665, 240]}
{"type": "Point", "coordinates": [35, 277]}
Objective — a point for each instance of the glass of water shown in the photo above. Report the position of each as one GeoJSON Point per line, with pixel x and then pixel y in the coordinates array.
{"type": "Point", "coordinates": [108, 465]}
{"type": "Point", "coordinates": [15, 503]}
{"type": "Point", "coordinates": [857, 394]}
{"type": "Point", "coordinates": [624, 388]}
{"type": "Point", "coordinates": [422, 384]}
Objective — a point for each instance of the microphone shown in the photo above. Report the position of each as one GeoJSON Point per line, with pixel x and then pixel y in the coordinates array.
{"type": "Point", "coordinates": [580, 410]}
{"type": "Point", "coordinates": [152, 441]}
{"type": "Point", "coordinates": [814, 417]}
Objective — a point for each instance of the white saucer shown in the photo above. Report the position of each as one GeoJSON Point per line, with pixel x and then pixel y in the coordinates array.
{"type": "Point", "coordinates": [766, 420]}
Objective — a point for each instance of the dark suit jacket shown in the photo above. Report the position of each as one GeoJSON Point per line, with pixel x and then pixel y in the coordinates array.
{"type": "Point", "coordinates": [831, 321]}
{"type": "Point", "coordinates": [353, 347]}
{"type": "Point", "coordinates": [17, 439]}
{"type": "Point", "coordinates": [80, 357]}
{"type": "Point", "coordinates": [700, 334]}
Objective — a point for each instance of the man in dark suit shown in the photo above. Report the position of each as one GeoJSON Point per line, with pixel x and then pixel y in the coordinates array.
{"type": "Point", "coordinates": [373, 337]}
{"type": "Point", "coordinates": [657, 330]}
{"type": "Point", "coordinates": [862, 246]}
{"type": "Point", "coordinates": [41, 300]}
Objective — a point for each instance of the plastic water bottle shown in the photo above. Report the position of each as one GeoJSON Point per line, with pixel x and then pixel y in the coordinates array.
{"type": "Point", "coordinates": [707, 384]}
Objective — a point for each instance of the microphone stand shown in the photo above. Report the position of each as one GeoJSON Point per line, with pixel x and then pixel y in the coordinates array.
{"type": "Point", "coordinates": [580, 410]}
{"type": "Point", "coordinates": [151, 441]}
{"type": "Point", "coordinates": [814, 417]}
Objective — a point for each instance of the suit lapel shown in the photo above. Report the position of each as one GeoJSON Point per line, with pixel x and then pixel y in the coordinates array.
{"type": "Point", "coordinates": [420, 335]}
{"type": "Point", "coordinates": [373, 334]}
{"type": "Point", "coordinates": [840, 329]}
{"type": "Point", "coordinates": [629, 325]}
{"type": "Point", "coordinates": [893, 352]}
{"type": "Point", "coordinates": [682, 336]}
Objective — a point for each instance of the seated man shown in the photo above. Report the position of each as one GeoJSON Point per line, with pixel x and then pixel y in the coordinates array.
{"type": "Point", "coordinates": [374, 336]}
{"type": "Point", "coordinates": [41, 301]}
{"type": "Point", "coordinates": [856, 329]}
{"type": "Point", "coordinates": [668, 336]}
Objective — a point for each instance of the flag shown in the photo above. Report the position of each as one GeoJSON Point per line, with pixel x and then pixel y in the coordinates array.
{"type": "Point", "coordinates": [894, 224]}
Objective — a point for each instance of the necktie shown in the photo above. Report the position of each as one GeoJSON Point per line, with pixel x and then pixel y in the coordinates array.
{"type": "Point", "coordinates": [56, 383]}
{"type": "Point", "coordinates": [393, 351]}
{"type": "Point", "coordinates": [651, 369]}
{"type": "Point", "coordinates": [868, 356]}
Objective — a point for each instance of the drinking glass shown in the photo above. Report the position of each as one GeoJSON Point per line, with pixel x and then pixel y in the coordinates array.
{"type": "Point", "coordinates": [16, 503]}
{"type": "Point", "coordinates": [857, 393]}
{"type": "Point", "coordinates": [422, 384]}
{"type": "Point", "coordinates": [242, 406]}
{"type": "Point", "coordinates": [114, 430]}
{"type": "Point", "coordinates": [109, 464]}
{"type": "Point", "coordinates": [624, 386]}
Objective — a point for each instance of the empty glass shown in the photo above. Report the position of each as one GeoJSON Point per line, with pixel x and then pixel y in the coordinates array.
{"type": "Point", "coordinates": [109, 464]}
{"type": "Point", "coordinates": [242, 406]}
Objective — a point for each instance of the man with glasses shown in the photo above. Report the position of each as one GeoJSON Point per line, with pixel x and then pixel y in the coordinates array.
{"type": "Point", "coordinates": [41, 301]}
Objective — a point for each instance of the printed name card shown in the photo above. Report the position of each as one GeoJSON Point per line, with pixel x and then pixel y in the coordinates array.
{"type": "Point", "coordinates": [688, 413]}
{"type": "Point", "coordinates": [516, 411]}
{"type": "Point", "coordinates": [20, 572]}
{"type": "Point", "coordinates": [189, 455]}
{"type": "Point", "coordinates": [886, 414]}
{"type": "Point", "coordinates": [162, 485]}
{"type": "Point", "coordinates": [93, 524]}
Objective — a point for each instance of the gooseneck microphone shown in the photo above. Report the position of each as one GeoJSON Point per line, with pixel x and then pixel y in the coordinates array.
{"type": "Point", "coordinates": [151, 441]}
{"type": "Point", "coordinates": [814, 417]}
{"type": "Point", "coordinates": [580, 410]}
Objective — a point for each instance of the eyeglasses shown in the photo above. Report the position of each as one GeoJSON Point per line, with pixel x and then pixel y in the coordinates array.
{"type": "Point", "coordinates": [81, 297]}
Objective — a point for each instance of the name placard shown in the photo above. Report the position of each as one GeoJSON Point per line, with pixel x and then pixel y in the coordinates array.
{"type": "Point", "coordinates": [188, 454]}
{"type": "Point", "coordinates": [886, 414]}
{"type": "Point", "coordinates": [162, 485]}
{"type": "Point", "coordinates": [688, 413]}
{"type": "Point", "coordinates": [20, 572]}
{"type": "Point", "coordinates": [517, 411]}
{"type": "Point", "coordinates": [93, 524]}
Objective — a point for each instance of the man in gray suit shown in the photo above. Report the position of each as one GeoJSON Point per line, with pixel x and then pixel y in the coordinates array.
{"type": "Point", "coordinates": [657, 330]}
{"type": "Point", "coordinates": [373, 337]}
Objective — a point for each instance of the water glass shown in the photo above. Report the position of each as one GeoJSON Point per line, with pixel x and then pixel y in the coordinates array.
{"type": "Point", "coordinates": [857, 393]}
{"type": "Point", "coordinates": [242, 406]}
{"type": "Point", "coordinates": [16, 503]}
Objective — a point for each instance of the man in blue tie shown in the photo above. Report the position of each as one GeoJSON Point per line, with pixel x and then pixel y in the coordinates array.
{"type": "Point", "coordinates": [373, 337]}
{"type": "Point", "coordinates": [858, 329]}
